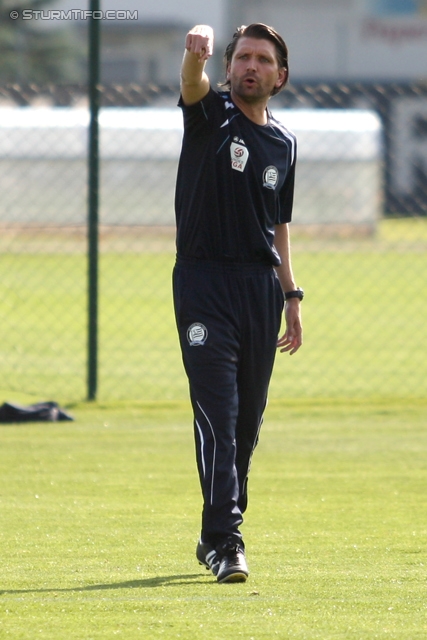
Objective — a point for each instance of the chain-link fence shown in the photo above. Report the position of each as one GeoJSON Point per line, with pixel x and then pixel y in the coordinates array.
{"type": "Point", "coordinates": [359, 242]}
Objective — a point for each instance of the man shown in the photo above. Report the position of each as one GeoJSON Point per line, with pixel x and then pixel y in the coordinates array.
{"type": "Point", "coordinates": [233, 270]}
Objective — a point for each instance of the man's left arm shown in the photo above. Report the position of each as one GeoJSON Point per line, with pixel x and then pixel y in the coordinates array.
{"type": "Point", "coordinates": [292, 338]}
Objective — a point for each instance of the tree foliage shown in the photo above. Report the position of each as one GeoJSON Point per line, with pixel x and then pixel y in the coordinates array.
{"type": "Point", "coordinates": [31, 52]}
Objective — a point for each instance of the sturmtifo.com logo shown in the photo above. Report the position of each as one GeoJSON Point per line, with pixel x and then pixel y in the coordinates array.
{"type": "Point", "coordinates": [197, 334]}
{"type": "Point", "coordinates": [72, 14]}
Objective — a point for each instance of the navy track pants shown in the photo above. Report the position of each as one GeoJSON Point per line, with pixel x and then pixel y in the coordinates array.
{"type": "Point", "coordinates": [228, 318]}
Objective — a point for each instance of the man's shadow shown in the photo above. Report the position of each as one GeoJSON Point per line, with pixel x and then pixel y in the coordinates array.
{"type": "Point", "coordinates": [148, 583]}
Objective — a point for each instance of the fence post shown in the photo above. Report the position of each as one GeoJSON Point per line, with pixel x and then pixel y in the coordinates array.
{"type": "Point", "coordinates": [93, 202]}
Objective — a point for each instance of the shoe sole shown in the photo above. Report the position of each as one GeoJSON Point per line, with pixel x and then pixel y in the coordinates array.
{"type": "Point", "coordinates": [238, 576]}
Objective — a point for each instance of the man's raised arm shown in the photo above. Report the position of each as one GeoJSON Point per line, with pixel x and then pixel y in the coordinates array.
{"type": "Point", "coordinates": [198, 48]}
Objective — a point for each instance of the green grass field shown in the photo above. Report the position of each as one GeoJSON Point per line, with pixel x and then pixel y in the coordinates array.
{"type": "Point", "coordinates": [364, 317]}
{"type": "Point", "coordinates": [100, 518]}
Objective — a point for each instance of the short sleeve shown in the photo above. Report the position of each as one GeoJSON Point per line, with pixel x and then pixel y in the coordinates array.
{"type": "Point", "coordinates": [286, 199]}
{"type": "Point", "coordinates": [199, 115]}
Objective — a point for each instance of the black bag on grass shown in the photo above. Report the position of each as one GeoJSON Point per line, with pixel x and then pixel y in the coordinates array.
{"type": "Point", "coordinates": [39, 412]}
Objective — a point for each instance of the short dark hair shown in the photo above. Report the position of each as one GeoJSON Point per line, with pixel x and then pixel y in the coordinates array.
{"type": "Point", "coordinates": [259, 31]}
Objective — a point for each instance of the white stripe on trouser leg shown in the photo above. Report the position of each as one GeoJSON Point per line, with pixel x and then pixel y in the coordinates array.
{"type": "Point", "coordinates": [214, 450]}
{"type": "Point", "coordinates": [245, 481]}
{"type": "Point", "coordinates": [202, 448]}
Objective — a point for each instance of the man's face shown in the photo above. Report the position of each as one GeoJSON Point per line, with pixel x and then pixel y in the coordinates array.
{"type": "Point", "coordinates": [254, 71]}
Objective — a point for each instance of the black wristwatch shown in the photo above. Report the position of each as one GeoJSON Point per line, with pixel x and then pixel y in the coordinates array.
{"type": "Point", "coordinates": [298, 293]}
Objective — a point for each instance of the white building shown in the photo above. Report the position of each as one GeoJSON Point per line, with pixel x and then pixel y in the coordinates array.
{"type": "Point", "coordinates": [360, 40]}
{"type": "Point", "coordinates": [331, 40]}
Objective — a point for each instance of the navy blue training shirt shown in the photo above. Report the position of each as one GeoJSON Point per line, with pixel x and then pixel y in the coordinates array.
{"type": "Point", "coordinates": [235, 182]}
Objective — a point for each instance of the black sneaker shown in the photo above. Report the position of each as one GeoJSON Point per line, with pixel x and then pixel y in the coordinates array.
{"type": "Point", "coordinates": [233, 567]}
{"type": "Point", "coordinates": [207, 556]}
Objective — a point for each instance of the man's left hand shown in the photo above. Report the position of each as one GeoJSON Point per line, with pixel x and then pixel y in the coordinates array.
{"type": "Point", "coordinates": [292, 338]}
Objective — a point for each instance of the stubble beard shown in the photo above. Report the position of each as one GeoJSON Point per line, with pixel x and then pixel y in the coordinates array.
{"type": "Point", "coordinates": [259, 93]}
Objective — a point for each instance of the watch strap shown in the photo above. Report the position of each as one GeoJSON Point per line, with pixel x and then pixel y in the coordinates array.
{"type": "Point", "coordinates": [298, 293]}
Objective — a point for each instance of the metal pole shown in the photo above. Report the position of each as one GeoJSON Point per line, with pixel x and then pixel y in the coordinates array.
{"type": "Point", "coordinates": [93, 202]}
